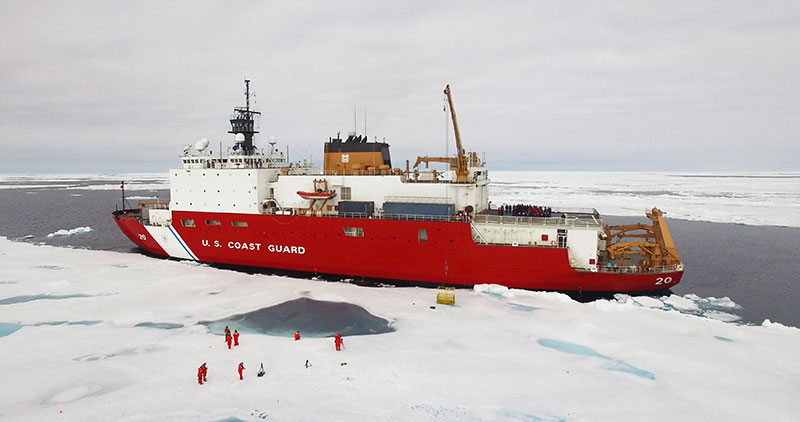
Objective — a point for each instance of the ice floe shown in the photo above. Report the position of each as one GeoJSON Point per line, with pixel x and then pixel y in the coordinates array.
{"type": "Point", "coordinates": [70, 232]}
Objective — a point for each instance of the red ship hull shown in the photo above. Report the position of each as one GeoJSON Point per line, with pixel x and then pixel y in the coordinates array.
{"type": "Point", "coordinates": [388, 249]}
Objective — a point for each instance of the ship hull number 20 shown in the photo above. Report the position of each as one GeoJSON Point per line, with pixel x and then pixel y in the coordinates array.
{"type": "Point", "coordinates": [663, 280]}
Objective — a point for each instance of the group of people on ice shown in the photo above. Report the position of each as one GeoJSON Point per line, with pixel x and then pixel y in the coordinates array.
{"type": "Point", "coordinates": [202, 371]}
{"type": "Point", "coordinates": [234, 337]}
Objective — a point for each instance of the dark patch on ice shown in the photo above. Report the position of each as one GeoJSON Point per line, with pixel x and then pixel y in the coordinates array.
{"type": "Point", "coordinates": [87, 323]}
{"type": "Point", "coordinates": [39, 324]}
{"type": "Point", "coordinates": [725, 339]}
{"type": "Point", "coordinates": [119, 265]}
{"type": "Point", "coordinates": [513, 415]}
{"type": "Point", "coordinates": [7, 282]}
{"type": "Point", "coordinates": [313, 318]}
{"type": "Point", "coordinates": [31, 298]}
{"type": "Point", "coordinates": [7, 328]}
{"type": "Point", "coordinates": [161, 325]}
{"type": "Point", "coordinates": [92, 357]}
{"type": "Point", "coordinates": [259, 414]}
{"type": "Point", "coordinates": [441, 412]}
{"type": "Point", "coordinates": [50, 267]}
{"type": "Point", "coordinates": [577, 349]}
{"type": "Point", "coordinates": [523, 308]}
{"type": "Point", "coordinates": [101, 356]}
{"type": "Point", "coordinates": [231, 419]}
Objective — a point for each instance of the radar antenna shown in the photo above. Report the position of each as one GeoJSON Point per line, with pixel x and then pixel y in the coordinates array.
{"type": "Point", "coordinates": [243, 121]}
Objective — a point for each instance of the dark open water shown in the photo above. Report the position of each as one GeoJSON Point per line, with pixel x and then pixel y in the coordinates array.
{"type": "Point", "coordinates": [756, 266]}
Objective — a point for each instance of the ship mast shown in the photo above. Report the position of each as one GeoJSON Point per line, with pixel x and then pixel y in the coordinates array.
{"type": "Point", "coordinates": [243, 121]}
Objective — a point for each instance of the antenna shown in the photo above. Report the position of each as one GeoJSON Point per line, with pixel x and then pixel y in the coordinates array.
{"type": "Point", "coordinates": [355, 125]}
{"type": "Point", "coordinates": [365, 122]}
{"type": "Point", "coordinates": [247, 93]}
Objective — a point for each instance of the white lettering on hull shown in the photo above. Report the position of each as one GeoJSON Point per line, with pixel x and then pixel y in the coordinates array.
{"type": "Point", "coordinates": [242, 245]}
{"type": "Point", "coordinates": [252, 246]}
{"type": "Point", "coordinates": [299, 250]}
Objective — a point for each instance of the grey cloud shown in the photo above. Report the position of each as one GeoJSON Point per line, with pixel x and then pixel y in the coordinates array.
{"type": "Point", "coordinates": [538, 85]}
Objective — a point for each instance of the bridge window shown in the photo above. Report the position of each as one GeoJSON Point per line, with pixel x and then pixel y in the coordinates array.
{"type": "Point", "coordinates": [212, 222]}
{"type": "Point", "coordinates": [422, 235]}
{"type": "Point", "coordinates": [354, 231]}
{"type": "Point", "coordinates": [346, 195]}
{"type": "Point", "coordinates": [187, 222]}
{"type": "Point", "coordinates": [239, 223]}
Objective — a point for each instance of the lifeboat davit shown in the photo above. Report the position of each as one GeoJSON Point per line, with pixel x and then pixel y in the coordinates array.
{"type": "Point", "coordinates": [317, 195]}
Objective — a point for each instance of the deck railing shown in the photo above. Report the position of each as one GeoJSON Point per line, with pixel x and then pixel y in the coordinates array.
{"type": "Point", "coordinates": [570, 221]}
{"type": "Point", "coordinates": [635, 269]}
{"type": "Point", "coordinates": [154, 205]}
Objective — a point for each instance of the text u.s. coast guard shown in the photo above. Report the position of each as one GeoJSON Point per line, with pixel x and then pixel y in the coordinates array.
{"type": "Point", "coordinates": [253, 246]}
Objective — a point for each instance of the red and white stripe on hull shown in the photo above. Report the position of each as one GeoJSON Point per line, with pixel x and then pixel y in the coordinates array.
{"type": "Point", "coordinates": [389, 249]}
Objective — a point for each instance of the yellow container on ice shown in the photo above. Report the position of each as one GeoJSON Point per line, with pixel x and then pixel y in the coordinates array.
{"type": "Point", "coordinates": [446, 295]}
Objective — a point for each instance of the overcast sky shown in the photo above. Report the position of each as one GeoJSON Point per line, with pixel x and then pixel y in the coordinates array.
{"type": "Point", "coordinates": [637, 85]}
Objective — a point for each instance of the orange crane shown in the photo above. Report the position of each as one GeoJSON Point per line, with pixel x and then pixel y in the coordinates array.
{"type": "Point", "coordinates": [459, 162]}
{"type": "Point", "coordinates": [461, 157]}
{"type": "Point", "coordinates": [656, 244]}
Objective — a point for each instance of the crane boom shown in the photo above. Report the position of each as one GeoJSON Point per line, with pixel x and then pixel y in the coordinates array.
{"type": "Point", "coordinates": [461, 158]}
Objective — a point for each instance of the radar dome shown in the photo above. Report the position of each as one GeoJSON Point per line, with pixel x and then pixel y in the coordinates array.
{"type": "Point", "coordinates": [239, 138]}
{"type": "Point", "coordinates": [273, 140]}
{"type": "Point", "coordinates": [186, 149]}
{"type": "Point", "coordinates": [201, 144]}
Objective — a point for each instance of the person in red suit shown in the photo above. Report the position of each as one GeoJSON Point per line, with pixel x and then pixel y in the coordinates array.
{"type": "Point", "coordinates": [200, 375]}
{"type": "Point", "coordinates": [228, 339]}
{"type": "Point", "coordinates": [205, 372]}
{"type": "Point", "coordinates": [297, 335]}
{"type": "Point", "coordinates": [338, 341]}
{"type": "Point", "coordinates": [241, 368]}
{"type": "Point", "coordinates": [235, 337]}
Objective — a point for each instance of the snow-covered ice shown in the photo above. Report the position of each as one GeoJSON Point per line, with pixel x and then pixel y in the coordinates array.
{"type": "Point", "coordinates": [744, 198]}
{"type": "Point", "coordinates": [128, 348]}
{"type": "Point", "coordinates": [137, 181]}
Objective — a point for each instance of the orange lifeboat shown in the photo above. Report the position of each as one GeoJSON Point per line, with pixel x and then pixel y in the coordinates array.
{"type": "Point", "coordinates": [316, 195]}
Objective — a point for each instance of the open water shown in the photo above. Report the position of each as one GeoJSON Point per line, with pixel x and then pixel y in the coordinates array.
{"type": "Point", "coordinates": [755, 266]}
